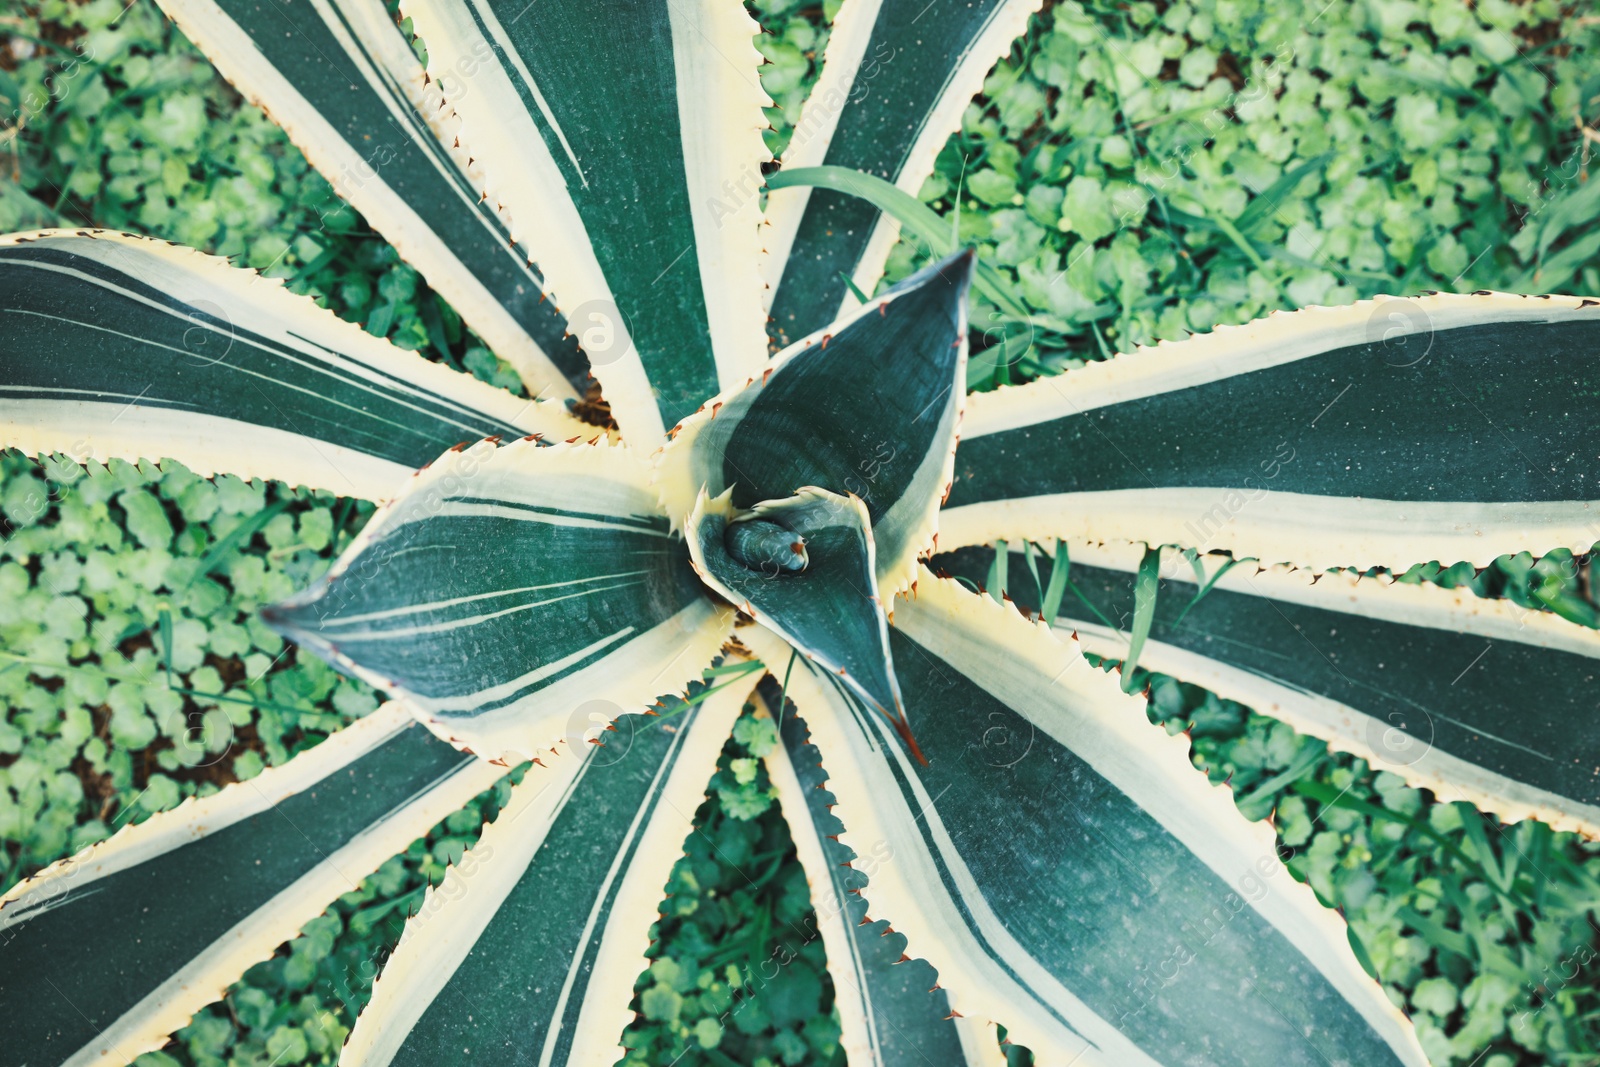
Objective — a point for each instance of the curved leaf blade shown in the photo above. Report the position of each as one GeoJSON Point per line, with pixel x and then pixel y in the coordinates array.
{"type": "Point", "coordinates": [529, 949]}
{"type": "Point", "coordinates": [508, 588]}
{"type": "Point", "coordinates": [897, 76]}
{"type": "Point", "coordinates": [125, 347]}
{"type": "Point", "coordinates": [342, 81]}
{"type": "Point", "coordinates": [821, 417]}
{"type": "Point", "coordinates": [1055, 844]}
{"type": "Point", "coordinates": [1385, 433]}
{"type": "Point", "coordinates": [830, 610]}
{"type": "Point", "coordinates": [105, 954]}
{"type": "Point", "coordinates": [647, 230]}
{"type": "Point", "coordinates": [913, 216]}
{"type": "Point", "coordinates": [1478, 700]}
{"type": "Point", "coordinates": [892, 1012]}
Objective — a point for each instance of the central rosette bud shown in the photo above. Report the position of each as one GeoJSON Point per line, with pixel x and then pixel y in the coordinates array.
{"type": "Point", "coordinates": [809, 493]}
{"type": "Point", "coordinates": [766, 546]}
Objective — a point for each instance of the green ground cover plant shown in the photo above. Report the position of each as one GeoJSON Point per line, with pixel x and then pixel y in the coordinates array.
{"type": "Point", "coordinates": [1137, 171]}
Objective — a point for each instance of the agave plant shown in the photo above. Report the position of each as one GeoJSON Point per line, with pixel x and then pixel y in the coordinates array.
{"type": "Point", "coordinates": [1231, 510]}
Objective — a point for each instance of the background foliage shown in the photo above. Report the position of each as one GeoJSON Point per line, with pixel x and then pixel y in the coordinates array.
{"type": "Point", "coordinates": [1141, 170]}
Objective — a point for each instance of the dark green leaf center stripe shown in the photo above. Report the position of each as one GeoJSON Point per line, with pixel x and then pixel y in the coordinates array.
{"type": "Point", "coordinates": [1140, 930]}
{"type": "Point", "coordinates": [916, 49]}
{"type": "Point", "coordinates": [1497, 412]}
{"type": "Point", "coordinates": [906, 1015]}
{"type": "Point", "coordinates": [646, 523]}
{"type": "Point", "coordinates": [1502, 703]}
{"type": "Point", "coordinates": [552, 599]}
{"type": "Point", "coordinates": [357, 93]}
{"type": "Point", "coordinates": [879, 738]}
{"type": "Point", "coordinates": [225, 876]}
{"type": "Point", "coordinates": [626, 179]}
{"type": "Point", "coordinates": [171, 354]}
{"type": "Point", "coordinates": [517, 996]}
{"type": "Point", "coordinates": [445, 407]}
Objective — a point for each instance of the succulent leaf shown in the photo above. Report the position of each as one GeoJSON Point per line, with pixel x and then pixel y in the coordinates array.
{"type": "Point", "coordinates": [763, 546]}
{"type": "Point", "coordinates": [892, 1011]}
{"type": "Point", "coordinates": [344, 84]}
{"type": "Point", "coordinates": [820, 417]}
{"type": "Point", "coordinates": [830, 610]}
{"type": "Point", "coordinates": [646, 229]}
{"type": "Point", "coordinates": [139, 349]}
{"type": "Point", "coordinates": [510, 587]}
{"type": "Point", "coordinates": [539, 964]}
{"type": "Point", "coordinates": [1067, 871]}
{"type": "Point", "coordinates": [1383, 434]}
{"type": "Point", "coordinates": [181, 904]}
{"type": "Point", "coordinates": [896, 79]}
{"type": "Point", "coordinates": [1476, 699]}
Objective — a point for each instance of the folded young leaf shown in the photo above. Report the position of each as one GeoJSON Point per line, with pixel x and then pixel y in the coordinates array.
{"type": "Point", "coordinates": [105, 954]}
{"type": "Point", "coordinates": [897, 76]}
{"type": "Point", "coordinates": [830, 609]}
{"type": "Point", "coordinates": [1476, 699]}
{"type": "Point", "coordinates": [1066, 870]}
{"type": "Point", "coordinates": [126, 347]}
{"type": "Point", "coordinates": [509, 588]}
{"type": "Point", "coordinates": [624, 139]}
{"type": "Point", "coordinates": [1381, 434]}
{"type": "Point", "coordinates": [529, 949]}
{"type": "Point", "coordinates": [891, 1011]}
{"type": "Point", "coordinates": [822, 416]}
{"type": "Point", "coordinates": [344, 84]}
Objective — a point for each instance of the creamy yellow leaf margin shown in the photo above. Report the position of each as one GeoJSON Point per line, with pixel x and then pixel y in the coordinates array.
{"type": "Point", "coordinates": [1046, 680]}
{"type": "Point", "coordinates": [720, 102]}
{"type": "Point", "coordinates": [208, 445]}
{"type": "Point", "coordinates": [604, 478]}
{"type": "Point", "coordinates": [848, 41]}
{"type": "Point", "coordinates": [1346, 728]}
{"type": "Point", "coordinates": [382, 57]}
{"type": "Point", "coordinates": [1312, 531]}
{"type": "Point", "coordinates": [692, 460]}
{"type": "Point", "coordinates": [454, 915]}
{"type": "Point", "coordinates": [146, 1026]}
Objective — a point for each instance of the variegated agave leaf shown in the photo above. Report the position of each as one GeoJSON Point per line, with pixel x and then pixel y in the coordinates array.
{"type": "Point", "coordinates": [803, 567]}
{"type": "Point", "coordinates": [820, 417]}
{"type": "Point", "coordinates": [104, 954]}
{"type": "Point", "coordinates": [530, 948]}
{"type": "Point", "coordinates": [1384, 434]}
{"type": "Point", "coordinates": [1478, 700]}
{"type": "Point", "coordinates": [571, 591]}
{"type": "Point", "coordinates": [642, 244]}
{"type": "Point", "coordinates": [1063, 867]}
{"type": "Point", "coordinates": [127, 348]}
{"type": "Point", "coordinates": [887, 1001]}
{"type": "Point", "coordinates": [344, 84]}
{"type": "Point", "coordinates": [897, 76]}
